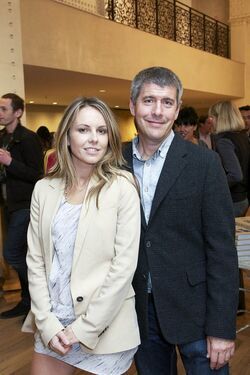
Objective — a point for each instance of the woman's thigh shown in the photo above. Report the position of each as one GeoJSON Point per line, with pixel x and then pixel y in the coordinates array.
{"type": "Point", "coordinates": [45, 365]}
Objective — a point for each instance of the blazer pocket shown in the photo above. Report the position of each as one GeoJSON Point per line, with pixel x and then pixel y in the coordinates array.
{"type": "Point", "coordinates": [197, 274]}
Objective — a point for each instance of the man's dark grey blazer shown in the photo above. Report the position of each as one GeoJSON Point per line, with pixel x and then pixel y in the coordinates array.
{"type": "Point", "coordinates": [188, 248]}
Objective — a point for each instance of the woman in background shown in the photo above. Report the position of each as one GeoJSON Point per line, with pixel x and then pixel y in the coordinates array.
{"type": "Point", "coordinates": [186, 125]}
{"type": "Point", "coordinates": [232, 144]}
{"type": "Point", "coordinates": [83, 244]}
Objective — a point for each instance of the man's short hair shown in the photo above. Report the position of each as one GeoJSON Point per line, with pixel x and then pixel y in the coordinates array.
{"type": "Point", "coordinates": [16, 101]}
{"type": "Point", "coordinates": [159, 76]}
{"type": "Point", "coordinates": [245, 108]}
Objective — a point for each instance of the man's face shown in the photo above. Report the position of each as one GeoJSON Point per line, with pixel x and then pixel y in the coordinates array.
{"type": "Point", "coordinates": [207, 127]}
{"type": "Point", "coordinates": [246, 118]}
{"type": "Point", "coordinates": [8, 116]}
{"type": "Point", "coordinates": [155, 111]}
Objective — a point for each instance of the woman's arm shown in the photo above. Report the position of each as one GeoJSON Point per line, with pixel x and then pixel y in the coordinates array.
{"type": "Point", "coordinates": [46, 322]}
{"type": "Point", "coordinates": [230, 161]}
{"type": "Point", "coordinates": [103, 307]}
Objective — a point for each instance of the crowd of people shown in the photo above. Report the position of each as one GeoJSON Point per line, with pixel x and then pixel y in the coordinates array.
{"type": "Point", "coordinates": [129, 252]}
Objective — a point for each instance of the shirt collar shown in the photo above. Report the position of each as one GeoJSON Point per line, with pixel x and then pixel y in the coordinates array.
{"type": "Point", "coordinates": [161, 151]}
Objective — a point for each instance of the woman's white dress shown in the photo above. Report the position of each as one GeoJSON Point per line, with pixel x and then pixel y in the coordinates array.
{"type": "Point", "coordinates": [64, 228]}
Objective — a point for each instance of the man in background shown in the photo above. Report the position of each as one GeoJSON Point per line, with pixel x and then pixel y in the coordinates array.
{"type": "Point", "coordinates": [245, 112]}
{"type": "Point", "coordinates": [186, 282]}
{"type": "Point", "coordinates": [21, 162]}
{"type": "Point", "coordinates": [205, 130]}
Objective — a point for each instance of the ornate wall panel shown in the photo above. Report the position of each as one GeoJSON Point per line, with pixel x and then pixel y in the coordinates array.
{"type": "Point", "coordinates": [92, 6]}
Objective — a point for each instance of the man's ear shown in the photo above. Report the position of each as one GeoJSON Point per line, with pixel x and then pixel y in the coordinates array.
{"type": "Point", "coordinates": [18, 113]}
{"type": "Point", "coordinates": [177, 110]}
{"type": "Point", "coordinates": [132, 107]}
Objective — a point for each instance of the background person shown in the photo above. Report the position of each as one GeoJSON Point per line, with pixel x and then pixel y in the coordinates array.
{"type": "Point", "coordinates": [205, 131]}
{"type": "Point", "coordinates": [245, 113]}
{"type": "Point", "coordinates": [186, 281]}
{"type": "Point", "coordinates": [186, 125]}
{"type": "Point", "coordinates": [21, 159]}
{"type": "Point", "coordinates": [80, 279]}
{"type": "Point", "coordinates": [232, 144]}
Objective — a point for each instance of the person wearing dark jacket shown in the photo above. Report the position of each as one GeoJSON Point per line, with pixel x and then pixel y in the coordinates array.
{"type": "Point", "coordinates": [186, 282]}
{"type": "Point", "coordinates": [21, 165]}
{"type": "Point", "coordinates": [232, 144]}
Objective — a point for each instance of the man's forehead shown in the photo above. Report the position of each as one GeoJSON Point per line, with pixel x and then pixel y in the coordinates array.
{"type": "Point", "coordinates": [152, 88]}
{"type": "Point", "coordinates": [5, 102]}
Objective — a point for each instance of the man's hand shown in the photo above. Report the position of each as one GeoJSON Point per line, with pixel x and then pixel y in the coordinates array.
{"type": "Point", "coordinates": [219, 351]}
{"type": "Point", "coordinates": [60, 343]}
{"type": "Point", "coordinates": [5, 157]}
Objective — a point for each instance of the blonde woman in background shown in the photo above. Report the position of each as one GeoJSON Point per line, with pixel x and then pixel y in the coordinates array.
{"type": "Point", "coordinates": [83, 246]}
{"type": "Point", "coordinates": [232, 144]}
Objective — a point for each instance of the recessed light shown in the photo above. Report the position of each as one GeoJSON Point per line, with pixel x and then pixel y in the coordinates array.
{"type": "Point", "coordinates": [102, 90]}
{"type": "Point", "coordinates": [117, 106]}
{"type": "Point", "coordinates": [31, 101]}
{"type": "Point", "coordinates": [54, 103]}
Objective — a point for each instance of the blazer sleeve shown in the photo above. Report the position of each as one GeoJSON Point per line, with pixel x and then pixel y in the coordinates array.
{"type": "Point", "coordinates": [46, 322]}
{"type": "Point", "coordinates": [230, 162]}
{"type": "Point", "coordinates": [103, 307]}
{"type": "Point", "coordinates": [221, 257]}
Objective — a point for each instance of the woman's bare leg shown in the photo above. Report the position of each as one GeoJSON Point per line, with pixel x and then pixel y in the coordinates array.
{"type": "Point", "coordinates": [46, 365]}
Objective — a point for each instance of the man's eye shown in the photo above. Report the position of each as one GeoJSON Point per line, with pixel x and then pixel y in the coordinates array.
{"type": "Point", "coordinates": [168, 103]}
{"type": "Point", "coordinates": [148, 101]}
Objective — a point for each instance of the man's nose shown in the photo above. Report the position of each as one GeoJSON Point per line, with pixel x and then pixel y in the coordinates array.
{"type": "Point", "coordinates": [157, 109]}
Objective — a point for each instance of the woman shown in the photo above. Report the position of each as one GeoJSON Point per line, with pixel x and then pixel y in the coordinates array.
{"type": "Point", "coordinates": [232, 144]}
{"type": "Point", "coordinates": [83, 246]}
{"type": "Point", "coordinates": [186, 125]}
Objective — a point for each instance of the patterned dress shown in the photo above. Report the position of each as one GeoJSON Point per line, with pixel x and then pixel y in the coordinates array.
{"type": "Point", "coordinates": [64, 230]}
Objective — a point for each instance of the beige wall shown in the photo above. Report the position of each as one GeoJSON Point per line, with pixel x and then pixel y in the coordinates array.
{"type": "Point", "coordinates": [50, 116]}
{"type": "Point", "coordinates": [240, 40]}
{"type": "Point", "coordinates": [11, 60]}
{"type": "Point", "coordinates": [218, 9]}
{"type": "Point", "coordinates": [76, 42]}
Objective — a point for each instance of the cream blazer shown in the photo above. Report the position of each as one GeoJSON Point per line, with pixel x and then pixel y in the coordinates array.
{"type": "Point", "coordinates": [104, 261]}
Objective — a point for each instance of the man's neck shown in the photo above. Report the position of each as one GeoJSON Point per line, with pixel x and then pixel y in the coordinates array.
{"type": "Point", "coordinates": [147, 148]}
{"type": "Point", "coordinates": [10, 128]}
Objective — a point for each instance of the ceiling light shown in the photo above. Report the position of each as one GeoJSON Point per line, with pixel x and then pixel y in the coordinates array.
{"type": "Point", "coordinates": [102, 90]}
{"type": "Point", "coordinates": [31, 101]}
{"type": "Point", "coordinates": [54, 103]}
{"type": "Point", "coordinates": [117, 106]}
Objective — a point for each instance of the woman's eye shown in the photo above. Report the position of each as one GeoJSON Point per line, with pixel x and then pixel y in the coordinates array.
{"type": "Point", "coordinates": [82, 130]}
{"type": "Point", "coordinates": [103, 131]}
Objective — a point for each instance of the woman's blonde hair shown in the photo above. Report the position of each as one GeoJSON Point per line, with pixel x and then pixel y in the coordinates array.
{"type": "Point", "coordinates": [228, 117]}
{"type": "Point", "coordinates": [106, 169]}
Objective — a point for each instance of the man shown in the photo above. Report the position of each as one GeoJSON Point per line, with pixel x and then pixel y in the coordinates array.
{"type": "Point", "coordinates": [186, 283]}
{"type": "Point", "coordinates": [245, 112]}
{"type": "Point", "coordinates": [21, 161]}
{"type": "Point", "coordinates": [205, 130]}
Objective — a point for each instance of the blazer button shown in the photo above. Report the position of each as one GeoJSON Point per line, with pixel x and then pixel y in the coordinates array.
{"type": "Point", "coordinates": [148, 244]}
{"type": "Point", "coordinates": [79, 299]}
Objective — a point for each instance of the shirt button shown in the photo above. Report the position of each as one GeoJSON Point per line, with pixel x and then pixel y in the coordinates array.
{"type": "Point", "coordinates": [148, 244]}
{"type": "Point", "coordinates": [79, 299]}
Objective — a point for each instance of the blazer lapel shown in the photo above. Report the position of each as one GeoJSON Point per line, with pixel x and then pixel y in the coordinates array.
{"type": "Point", "coordinates": [174, 163]}
{"type": "Point", "coordinates": [87, 216]}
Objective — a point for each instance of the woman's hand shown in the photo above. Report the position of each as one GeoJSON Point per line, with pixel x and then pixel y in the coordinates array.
{"type": "Point", "coordinates": [60, 344]}
{"type": "Point", "coordinates": [70, 335]}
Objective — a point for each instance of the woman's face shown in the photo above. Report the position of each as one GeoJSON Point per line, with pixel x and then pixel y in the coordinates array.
{"type": "Point", "coordinates": [88, 137]}
{"type": "Point", "coordinates": [213, 120]}
{"type": "Point", "coordinates": [186, 131]}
